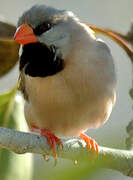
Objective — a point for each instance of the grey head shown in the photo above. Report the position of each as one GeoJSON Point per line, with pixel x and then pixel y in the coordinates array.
{"type": "Point", "coordinates": [61, 24]}
{"type": "Point", "coordinates": [53, 28]}
{"type": "Point", "coordinates": [41, 13]}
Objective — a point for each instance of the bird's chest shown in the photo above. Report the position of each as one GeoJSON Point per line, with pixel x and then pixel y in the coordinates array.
{"type": "Point", "coordinates": [55, 93]}
{"type": "Point", "coordinates": [56, 101]}
{"type": "Point", "coordinates": [66, 103]}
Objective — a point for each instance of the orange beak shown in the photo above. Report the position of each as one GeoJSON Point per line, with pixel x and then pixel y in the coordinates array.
{"type": "Point", "coordinates": [25, 35]}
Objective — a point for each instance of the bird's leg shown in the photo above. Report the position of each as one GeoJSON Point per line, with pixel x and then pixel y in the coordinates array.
{"type": "Point", "coordinates": [35, 129]}
{"type": "Point", "coordinates": [92, 146]}
{"type": "Point", "coordinates": [91, 143]}
{"type": "Point", "coordinates": [51, 138]}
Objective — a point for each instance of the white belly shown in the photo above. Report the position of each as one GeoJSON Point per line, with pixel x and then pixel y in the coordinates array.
{"type": "Point", "coordinates": [67, 103]}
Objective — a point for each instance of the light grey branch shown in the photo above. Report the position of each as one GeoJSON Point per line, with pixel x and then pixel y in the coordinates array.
{"type": "Point", "coordinates": [74, 149]}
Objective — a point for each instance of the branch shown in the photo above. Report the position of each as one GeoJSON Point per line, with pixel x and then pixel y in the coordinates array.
{"type": "Point", "coordinates": [74, 149]}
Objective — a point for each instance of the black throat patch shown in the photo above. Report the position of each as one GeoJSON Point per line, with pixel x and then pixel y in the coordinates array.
{"type": "Point", "coordinates": [39, 61]}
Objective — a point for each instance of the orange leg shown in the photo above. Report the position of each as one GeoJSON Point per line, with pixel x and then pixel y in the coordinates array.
{"type": "Point", "coordinates": [91, 143]}
{"type": "Point", "coordinates": [51, 138]}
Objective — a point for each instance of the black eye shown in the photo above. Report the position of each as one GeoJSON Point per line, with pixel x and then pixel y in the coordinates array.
{"type": "Point", "coordinates": [40, 29]}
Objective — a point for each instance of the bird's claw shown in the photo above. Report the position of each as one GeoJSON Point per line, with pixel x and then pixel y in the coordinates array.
{"type": "Point", "coordinates": [51, 138]}
{"type": "Point", "coordinates": [91, 143]}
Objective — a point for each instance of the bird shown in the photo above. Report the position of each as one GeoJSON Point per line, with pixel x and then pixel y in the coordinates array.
{"type": "Point", "coordinates": [67, 75]}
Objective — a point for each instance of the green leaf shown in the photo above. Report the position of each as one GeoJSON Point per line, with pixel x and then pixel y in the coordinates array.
{"type": "Point", "coordinates": [6, 106]}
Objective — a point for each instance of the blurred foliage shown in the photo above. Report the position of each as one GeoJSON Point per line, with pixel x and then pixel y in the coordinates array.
{"type": "Point", "coordinates": [8, 55]}
{"type": "Point", "coordinates": [8, 48]}
{"type": "Point", "coordinates": [70, 172]}
{"type": "Point", "coordinates": [13, 166]}
{"type": "Point", "coordinates": [6, 30]}
{"type": "Point", "coordinates": [67, 170]}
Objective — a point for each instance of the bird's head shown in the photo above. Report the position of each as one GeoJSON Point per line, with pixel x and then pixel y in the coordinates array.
{"type": "Point", "coordinates": [45, 34]}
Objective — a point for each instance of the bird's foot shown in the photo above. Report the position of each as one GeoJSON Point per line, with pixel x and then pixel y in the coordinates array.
{"type": "Point", "coordinates": [91, 143]}
{"type": "Point", "coordinates": [51, 138]}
